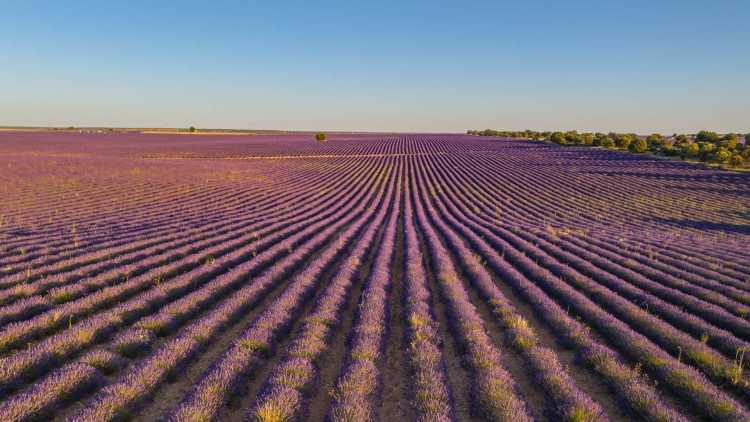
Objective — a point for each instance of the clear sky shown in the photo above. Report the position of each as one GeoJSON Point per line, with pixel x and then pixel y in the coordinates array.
{"type": "Point", "coordinates": [641, 66]}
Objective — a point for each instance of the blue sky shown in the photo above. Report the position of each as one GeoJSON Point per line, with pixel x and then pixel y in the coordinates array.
{"type": "Point", "coordinates": [656, 66]}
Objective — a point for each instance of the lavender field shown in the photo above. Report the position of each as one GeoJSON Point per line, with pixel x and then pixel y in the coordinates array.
{"type": "Point", "coordinates": [368, 277]}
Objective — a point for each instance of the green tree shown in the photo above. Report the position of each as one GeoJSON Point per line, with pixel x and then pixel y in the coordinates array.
{"type": "Point", "coordinates": [706, 136]}
{"type": "Point", "coordinates": [638, 146]}
{"type": "Point", "coordinates": [192, 129]}
{"type": "Point", "coordinates": [693, 150]}
{"type": "Point", "coordinates": [669, 150]}
{"type": "Point", "coordinates": [655, 142]}
{"type": "Point", "coordinates": [608, 142]}
{"type": "Point", "coordinates": [654, 138]}
{"type": "Point", "coordinates": [320, 136]}
{"type": "Point", "coordinates": [623, 140]}
{"type": "Point", "coordinates": [737, 160]}
{"type": "Point", "coordinates": [572, 137]}
{"type": "Point", "coordinates": [558, 138]}
{"type": "Point", "coordinates": [707, 149]}
{"type": "Point", "coordinates": [722, 155]}
{"type": "Point", "coordinates": [730, 141]}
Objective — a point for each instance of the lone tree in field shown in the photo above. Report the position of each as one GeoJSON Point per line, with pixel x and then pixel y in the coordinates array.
{"type": "Point", "coordinates": [320, 136]}
{"type": "Point", "coordinates": [192, 129]}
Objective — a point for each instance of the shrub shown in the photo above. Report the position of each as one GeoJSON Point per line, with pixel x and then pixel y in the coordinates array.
{"type": "Point", "coordinates": [320, 136]}
{"type": "Point", "coordinates": [692, 150]}
{"type": "Point", "coordinates": [657, 142]}
{"type": "Point", "coordinates": [669, 150]}
{"type": "Point", "coordinates": [706, 136]}
{"type": "Point", "coordinates": [638, 146]}
{"type": "Point", "coordinates": [706, 150]}
{"type": "Point", "coordinates": [608, 142]}
{"type": "Point", "coordinates": [722, 155]}
{"type": "Point", "coordinates": [572, 137]}
{"type": "Point", "coordinates": [730, 141]}
{"type": "Point", "coordinates": [623, 141]}
{"type": "Point", "coordinates": [736, 160]}
{"type": "Point", "coordinates": [558, 138]}
{"type": "Point", "coordinates": [655, 138]}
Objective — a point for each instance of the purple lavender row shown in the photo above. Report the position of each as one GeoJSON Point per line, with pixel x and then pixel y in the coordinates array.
{"type": "Point", "coordinates": [353, 394]}
{"type": "Point", "coordinates": [255, 206]}
{"type": "Point", "coordinates": [699, 328]}
{"type": "Point", "coordinates": [132, 341]}
{"type": "Point", "coordinates": [68, 293]}
{"type": "Point", "coordinates": [98, 252]}
{"type": "Point", "coordinates": [737, 294]}
{"type": "Point", "coordinates": [489, 181]}
{"type": "Point", "coordinates": [682, 260]}
{"type": "Point", "coordinates": [293, 181]}
{"type": "Point", "coordinates": [678, 376]}
{"type": "Point", "coordinates": [731, 344]}
{"type": "Point", "coordinates": [299, 178]}
{"type": "Point", "coordinates": [713, 364]}
{"type": "Point", "coordinates": [485, 184]}
{"type": "Point", "coordinates": [698, 254]}
{"type": "Point", "coordinates": [86, 331]}
{"type": "Point", "coordinates": [741, 322]}
{"type": "Point", "coordinates": [162, 197]}
{"type": "Point", "coordinates": [180, 310]}
{"type": "Point", "coordinates": [307, 184]}
{"type": "Point", "coordinates": [88, 198]}
{"type": "Point", "coordinates": [570, 403]}
{"type": "Point", "coordinates": [215, 248]}
{"type": "Point", "coordinates": [720, 338]}
{"type": "Point", "coordinates": [431, 397]}
{"type": "Point", "coordinates": [58, 387]}
{"type": "Point", "coordinates": [707, 290]}
{"type": "Point", "coordinates": [692, 350]}
{"type": "Point", "coordinates": [669, 262]}
{"type": "Point", "coordinates": [33, 242]}
{"type": "Point", "coordinates": [282, 396]}
{"type": "Point", "coordinates": [640, 396]}
{"type": "Point", "coordinates": [137, 339]}
{"type": "Point", "coordinates": [206, 398]}
{"type": "Point", "coordinates": [54, 238]}
{"type": "Point", "coordinates": [60, 240]}
{"type": "Point", "coordinates": [7, 336]}
{"type": "Point", "coordinates": [495, 389]}
{"type": "Point", "coordinates": [576, 191]}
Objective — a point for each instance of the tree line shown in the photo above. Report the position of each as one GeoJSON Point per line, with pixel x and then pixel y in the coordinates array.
{"type": "Point", "coordinates": [729, 149]}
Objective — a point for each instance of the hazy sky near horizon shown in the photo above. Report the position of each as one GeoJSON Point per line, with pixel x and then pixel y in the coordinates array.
{"type": "Point", "coordinates": [643, 66]}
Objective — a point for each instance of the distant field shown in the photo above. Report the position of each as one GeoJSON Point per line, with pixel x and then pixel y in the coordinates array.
{"type": "Point", "coordinates": [368, 277]}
